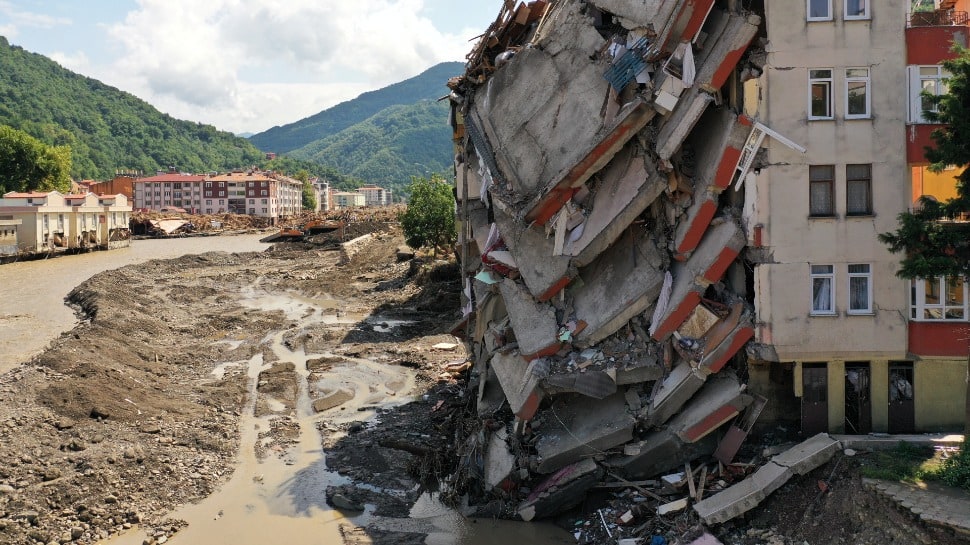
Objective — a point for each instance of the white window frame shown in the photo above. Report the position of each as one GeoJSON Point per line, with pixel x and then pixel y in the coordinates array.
{"type": "Point", "coordinates": [919, 308]}
{"type": "Point", "coordinates": [808, 12]}
{"type": "Point", "coordinates": [916, 79]}
{"type": "Point", "coordinates": [817, 272]}
{"type": "Point", "coordinates": [867, 275]}
{"type": "Point", "coordinates": [868, 86]}
{"type": "Point", "coordinates": [866, 8]}
{"type": "Point", "coordinates": [830, 82]}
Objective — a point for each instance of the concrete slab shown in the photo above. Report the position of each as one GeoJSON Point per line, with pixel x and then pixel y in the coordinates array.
{"type": "Point", "coordinates": [884, 441]}
{"type": "Point", "coordinates": [522, 130]}
{"type": "Point", "coordinates": [630, 119]}
{"type": "Point", "coordinates": [718, 249]}
{"type": "Point", "coordinates": [596, 384]}
{"type": "Point", "coordinates": [623, 282]}
{"type": "Point", "coordinates": [576, 426]}
{"type": "Point", "coordinates": [809, 454]}
{"type": "Point", "coordinates": [520, 386]}
{"type": "Point", "coordinates": [659, 452]}
{"type": "Point", "coordinates": [499, 462]}
{"type": "Point", "coordinates": [682, 383]}
{"type": "Point", "coordinates": [629, 185]}
{"type": "Point", "coordinates": [542, 272]}
{"type": "Point", "coordinates": [728, 36]}
{"type": "Point", "coordinates": [561, 491]}
{"type": "Point", "coordinates": [534, 323]}
{"type": "Point", "coordinates": [692, 104]}
{"type": "Point", "coordinates": [720, 400]}
{"type": "Point", "coordinates": [743, 496]}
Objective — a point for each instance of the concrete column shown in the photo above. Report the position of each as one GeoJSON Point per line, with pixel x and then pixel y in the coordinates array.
{"type": "Point", "coordinates": [879, 392]}
{"type": "Point", "coordinates": [836, 379]}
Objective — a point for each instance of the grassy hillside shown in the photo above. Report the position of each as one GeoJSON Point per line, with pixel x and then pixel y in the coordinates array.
{"type": "Point", "coordinates": [428, 85]}
{"type": "Point", "coordinates": [390, 147]}
{"type": "Point", "coordinates": [106, 128]}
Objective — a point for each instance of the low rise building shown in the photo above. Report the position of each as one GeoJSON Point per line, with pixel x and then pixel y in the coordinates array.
{"type": "Point", "coordinates": [114, 222]}
{"type": "Point", "coordinates": [375, 196]}
{"type": "Point", "coordinates": [349, 199]}
{"type": "Point", "coordinates": [83, 231]}
{"type": "Point", "coordinates": [253, 192]}
{"type": "Point", "coordinates": [43, 216]}
{"type": "Point", "coordinates": [169, 190]}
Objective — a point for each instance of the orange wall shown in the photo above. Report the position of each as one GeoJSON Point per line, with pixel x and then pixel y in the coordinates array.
{"type": "Point", "coordinates": [940, 185]}
{"type": "Point", "coordinates": [931, 44]}
{"type": "Point", "coordinates": [939, 338]}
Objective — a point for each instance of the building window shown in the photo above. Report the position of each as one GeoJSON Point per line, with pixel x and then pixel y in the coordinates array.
{"type": "Point", "coordinates": [938, 299]}
{"type": "Point", "coordinates": [857, 101]}
{"type": "Point", "coordinates": [208, 184]}
{"type": "Point", "coordinates": [264, 192]}
{"type": "Point", "coordinates": [823, 290]}
{"type": "Point", "coordinates": [857, 9]}
{"type": "Point", "coordinates": [208, 202]}
{"type": "Point", "coordinates": [925, 80]}
{"type": "Point", "coordinates": [264, 210]}
{"type": "Point", "coordinates": [264, 201]}
{"type": "Point", "coordinates": [821, 194]}
{"type": "Point", "coordinates": [820, 94]}
{"type": "Point", "coordinates": [252, 210]}
{"type": "Point", "coordinates": [858, 190]}
{"type": "Point", "coordinates": [860, 288]}
{"type": "Point", "coordinates": [819, 10]}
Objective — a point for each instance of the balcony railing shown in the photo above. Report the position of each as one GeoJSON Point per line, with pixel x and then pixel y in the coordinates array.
{"type": "Point", "coordinates": [946, 17]}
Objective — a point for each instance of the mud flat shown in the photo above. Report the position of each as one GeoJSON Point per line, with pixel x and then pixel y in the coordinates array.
{"type": "Point", "coordinates": [184, 403]}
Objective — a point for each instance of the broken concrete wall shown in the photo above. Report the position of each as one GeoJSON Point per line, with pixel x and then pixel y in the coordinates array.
{"type": "Point", "coordinates": [593, 145]}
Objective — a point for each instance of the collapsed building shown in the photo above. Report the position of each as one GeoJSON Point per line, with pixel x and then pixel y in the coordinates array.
{"type": "Point", "coordinates": [607, 168]}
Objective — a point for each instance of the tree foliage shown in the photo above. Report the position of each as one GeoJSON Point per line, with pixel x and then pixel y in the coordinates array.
{"type": "Point", "coordinates": [107, 129]}
{"type": "Point", "coordinates": [931, 244]}
{"type": "Point", "coordinates": [390, 147]}
{"type": "Point", "coordinates": [27, 164]}
{"type": "Point", "coordinates": [428, 85]}
{"type": "Point", "coordinates": [309, 196]}
{"type": "Point", "coordinates": [429, 220]}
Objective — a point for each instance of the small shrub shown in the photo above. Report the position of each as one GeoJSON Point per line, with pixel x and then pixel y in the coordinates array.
{"type": "Point", "coordinates": [955, 470]}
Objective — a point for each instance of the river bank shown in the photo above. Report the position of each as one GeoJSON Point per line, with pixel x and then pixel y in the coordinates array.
{"type": "Point", "coordinates": [142, 408]}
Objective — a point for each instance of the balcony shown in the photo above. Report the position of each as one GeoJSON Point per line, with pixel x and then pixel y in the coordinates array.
{"type": "Point", "coordinates": [942, 17]}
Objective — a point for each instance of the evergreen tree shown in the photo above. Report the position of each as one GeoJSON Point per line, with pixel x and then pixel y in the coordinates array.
{"type": "Point", "coordinates": [932, 246]}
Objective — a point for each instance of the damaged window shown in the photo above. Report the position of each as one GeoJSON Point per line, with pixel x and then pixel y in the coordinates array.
{"type": "Point", "coordinates": [819, 10]}
{"type": "Point", "coordinates": [823, 289]}
{"type": "Point", "coordinates": [860, 288]}
{"type": "Point", "coordinates": [856, 9]}
{"type": "Point", "coordinates": [857, 93]}
{"type": "Point", "coordinates": [821, 194]}
{"type": "Point", "coordinates": [939, 299]}
{"type": "Point", "coordinates": [820, 94]}
{"type": "Point", "coordinates": [858, 190]}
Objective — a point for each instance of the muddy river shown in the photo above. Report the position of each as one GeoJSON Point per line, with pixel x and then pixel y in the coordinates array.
{"type": "Point", "coordinates": [274, 500]}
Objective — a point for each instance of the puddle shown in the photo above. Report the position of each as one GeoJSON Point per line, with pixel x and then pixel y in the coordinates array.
{"type": "Point", "coordinates": [281, 499]}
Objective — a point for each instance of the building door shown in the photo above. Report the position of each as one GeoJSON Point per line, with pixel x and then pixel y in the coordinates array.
{"type": "Point", "coordinates": [815, 394]}
{"type": "Point", "coordinates": [902, 409]}
{"type": "Point", "coordinates": [858, 401]}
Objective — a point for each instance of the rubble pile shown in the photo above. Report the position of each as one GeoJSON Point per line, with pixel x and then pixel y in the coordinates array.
{"type": "Point", "coordinates": [605, 301]}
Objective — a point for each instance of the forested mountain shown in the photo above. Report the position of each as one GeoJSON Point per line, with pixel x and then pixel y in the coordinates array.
{"type": "Point", "coordinates": [107, 129]}
{"type": "Point", "coordinates": [390, 147]}
{"type": "Point", "coordinates": [429, 85]}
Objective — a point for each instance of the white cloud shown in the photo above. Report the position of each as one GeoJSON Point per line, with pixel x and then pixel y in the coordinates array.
{"type": "Point", "coordinates": [76, 62]}
{"type": "Point", "coordinates": [19, 17]}
{"type": "Point", "coordinates": [218, 60]}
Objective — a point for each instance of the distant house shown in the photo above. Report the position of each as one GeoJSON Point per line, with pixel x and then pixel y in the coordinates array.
{"type": "Point", "coordinates": [321, 188]}
{"type": "Point", "coordinates": [375, 195]}
{"type": "Point", "coordinates": [114, 221]}
{"type": "Point", "coordinates": [9, 228]}
{"type": "Point", "coordinates": [257, 193]}
{"type": "Point", "coordinates": [44, 219]}
{"type": "Point", "coordinates": [171, 189]}
{"type": "Point", "coordinates": [83, 224]}
{"type": "Point", "coordinates": [348, 199]}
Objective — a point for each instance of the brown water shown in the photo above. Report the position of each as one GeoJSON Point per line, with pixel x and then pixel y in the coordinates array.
{"type": "Point", "coordinates": [279, 499]}
{"type": "Point", "coordinates": [32, 309]}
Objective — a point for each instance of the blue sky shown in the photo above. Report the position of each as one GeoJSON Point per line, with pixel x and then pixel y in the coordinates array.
{"type": "Point", "coordinates": [247, 65]}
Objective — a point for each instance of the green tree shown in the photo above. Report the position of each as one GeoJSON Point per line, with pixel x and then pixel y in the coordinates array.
{"type": "Point", "coordinates": [429, 220]}
{"type": "Point", "coordinates": [932, 246]}
{"type": "Point", "coordinates": [27, 164]}
{"type": "Point", "coordinates": [309, 197]}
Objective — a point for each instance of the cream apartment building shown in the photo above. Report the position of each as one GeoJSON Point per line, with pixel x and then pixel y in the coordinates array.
{"type": "Point", "coordinates": [832, 314]}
